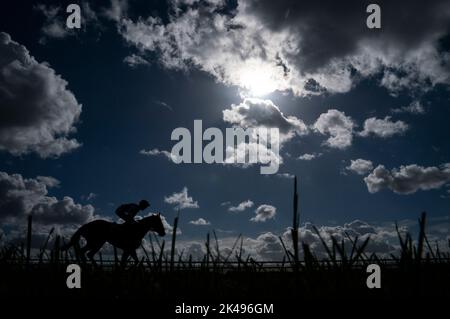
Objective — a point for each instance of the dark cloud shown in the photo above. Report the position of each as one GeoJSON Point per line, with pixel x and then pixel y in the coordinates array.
{"type": "Point", "coordinates": [334, 29]}
{"type": "Point", "coordinates": [65, 211]}
{"type": "Point", "coordinates": [21, 196]}
{"type": "Point", "coordinates": [408, 179]}
{"type": "Point", "coordinates": [254, 112]}
{"type": "Point", "coordinates": [304, 46]}
{"type": "Point", "coordinates": [37, 111]}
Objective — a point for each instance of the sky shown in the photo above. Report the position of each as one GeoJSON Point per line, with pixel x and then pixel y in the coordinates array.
{"type": "Point", "coordinates": [86, 115]}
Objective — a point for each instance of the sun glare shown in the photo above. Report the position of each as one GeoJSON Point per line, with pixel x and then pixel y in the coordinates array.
{"type": "Point", "coordinates": [258, 80]}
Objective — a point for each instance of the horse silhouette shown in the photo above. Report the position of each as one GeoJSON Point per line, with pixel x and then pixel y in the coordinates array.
{"type": "Point", "coordinates": [127, 237]}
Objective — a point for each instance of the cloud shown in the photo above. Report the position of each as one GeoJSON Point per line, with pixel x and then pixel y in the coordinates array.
{"type": "Point", "coordinates": [407, 179]}
{"type": "Point", "coordinates": [181, 200]}
{"type": "Point", "coordinates": [54, 26]}
{"type": "Point", "coordinates": [253, 112]}
{"type": "Point", "coordinates": [261, 114]}
{"type": "Point", "coordinates": [55, 21]}
{"type": "Point", "coordinates": [237, 156]}
{"type": "Point", "coordinates": [339, 126]}
{"type": "Point", "coordinates": [53, 211]}
{"type": "Point", "coordinates": [89, 197]}
{"type": "Point", "coordinates": [360, 166]}
{"type": "Point", "coordinates": [309, 157]}
{"type": "Point", "coordinates": [242, 206]}
{"type": "Point", "coordinates": [308, 48]}
{"type": "Point", "coordinates": [157, 152]}
{"type": "Point", "coordinates": [48, 181]}
{"type": "Point", "coordinates": [383, 127]}
{"type": "Point", "coordinates": [168, 227]}
{"type": "Point", "coordinates": [267, 246]}
{"type": "Point", "coordinates": [264, 212]}
{"type": "Point", "coordinates": [37, 111]}
{"type": "Point", "coordinates": [117, 10]}
{"type": "Point", "coordinates": [21, 196]}
{"type": "Point", "coordinates": [332, 37]}
{"type": "Point", "coordinates": [285, 175]}
{"type": "Point", "coordinates": [200, 222]}
{"type": "Point", "coordinates": [414, 108]}
{"type": "Point", "coordinates": [134, 60]}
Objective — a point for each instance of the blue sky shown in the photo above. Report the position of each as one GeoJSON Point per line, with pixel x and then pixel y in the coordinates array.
{"type": "Point", "coordinates": [128, 108]}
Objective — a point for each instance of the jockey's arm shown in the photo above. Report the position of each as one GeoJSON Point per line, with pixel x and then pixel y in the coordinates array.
{"type": "Point", "coordinates": [122, 212]}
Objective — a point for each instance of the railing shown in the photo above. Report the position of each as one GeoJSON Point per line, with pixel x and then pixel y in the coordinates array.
{"type": "Point", "coordinates": [222, 265]}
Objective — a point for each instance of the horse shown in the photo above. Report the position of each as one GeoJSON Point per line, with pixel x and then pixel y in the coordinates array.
{"type": "Point", "coordinates": [127, 237]}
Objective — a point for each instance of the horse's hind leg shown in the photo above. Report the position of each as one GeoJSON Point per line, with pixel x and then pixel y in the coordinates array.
{"type": "Point", "coordinates": [125, 256]}
{"type": "Point", "coordinates": [93, 248]}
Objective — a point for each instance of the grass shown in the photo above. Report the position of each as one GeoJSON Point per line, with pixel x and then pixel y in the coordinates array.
{"type": "Point", "coordinates": [419, 270]}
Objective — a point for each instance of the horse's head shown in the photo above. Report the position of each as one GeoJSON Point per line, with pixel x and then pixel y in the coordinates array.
{"type": "Point", "coordinates": [154, 222]}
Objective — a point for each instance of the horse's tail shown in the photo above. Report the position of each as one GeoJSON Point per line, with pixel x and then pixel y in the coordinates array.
{"type": "Point", "coordinates": [74, 239]}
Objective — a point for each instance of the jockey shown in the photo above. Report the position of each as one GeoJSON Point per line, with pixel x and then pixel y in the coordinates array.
{"type": "Point", "coordinates": [128, 211]}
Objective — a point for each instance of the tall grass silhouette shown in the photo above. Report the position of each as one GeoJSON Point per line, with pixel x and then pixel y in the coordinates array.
{"type": "Point", "coordinates": [418, 270]}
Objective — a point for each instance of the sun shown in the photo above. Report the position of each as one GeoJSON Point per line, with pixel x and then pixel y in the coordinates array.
{"type": "Point", "coordinates": [258, 79]}
{"type": "Point", "coordinates": [257, 82]}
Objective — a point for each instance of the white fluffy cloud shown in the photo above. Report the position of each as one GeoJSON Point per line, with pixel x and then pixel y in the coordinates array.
{"type": "Point", "coordinates": [339, 126]}
{"type": "Point", "coordinates": [181, 200]}
{"type": "Point", "coordinates": [253, 112]}
{"type": "Point", "coordinates": [168, 227]}
{"type": "Point", "coordinates": [383, 127]}
{"type": "Point", "coordinates": [21, 196]}
{"type": "Point", "coordinates": [238, 155]}
{"type": "Point", "coordinates": [415, 107]}
{"type": "Point", "coordinates": [264, 212]}
{"type": "Point", "coordinates": [242, 206]}
{"type": "Point", "coordinates": [261, 114]}
{"type": "Point", "coordinates": [37, 111]}
{"type": "Point", "coordinates": [408, 179]}
{"type": "Point", "coordinates": [360, 166]}
{"type": "Point", "coordinates": [200, 222]}
{"type": "Point", "coordinates": [309, 157]}
{"type": "Point", "coordinates": [157, 152]}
